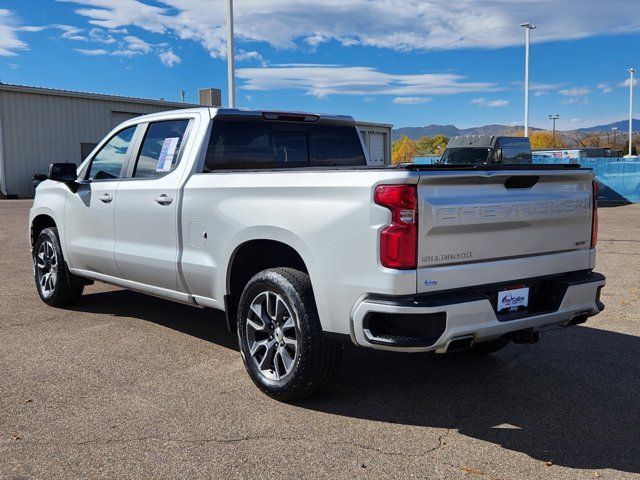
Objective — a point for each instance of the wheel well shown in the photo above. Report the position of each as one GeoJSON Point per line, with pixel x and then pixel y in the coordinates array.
{"type": "Point", "coordinates": [253, 257]}
{"type": "Point", "coordinates": [40, 223]}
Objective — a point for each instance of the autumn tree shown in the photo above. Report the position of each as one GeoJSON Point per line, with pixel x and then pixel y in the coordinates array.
{"type": "Point", "coordinates": [403, 150]}
{"type": "Point", "coordinates": [591, 141]}
{"type": "Point", "coordinates": [544, 140]}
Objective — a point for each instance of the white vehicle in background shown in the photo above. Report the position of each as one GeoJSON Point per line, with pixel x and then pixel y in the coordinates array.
{"type": "Point", "coordinates": [276, 219]}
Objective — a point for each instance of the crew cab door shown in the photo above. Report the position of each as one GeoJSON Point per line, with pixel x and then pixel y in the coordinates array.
{"type": "Point", "coordinates": [146, 211]}
{"type": "Point", "coordinates": [89, 212]}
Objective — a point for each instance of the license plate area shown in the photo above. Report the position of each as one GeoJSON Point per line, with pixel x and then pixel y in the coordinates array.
{"type": "Point", "coordinates": [514, 298]}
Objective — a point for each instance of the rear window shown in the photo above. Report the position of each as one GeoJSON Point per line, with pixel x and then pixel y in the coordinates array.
{"type": "Point", "coordinates": [258, 144]}
{"type": "Point", "coordinates": [465, 156]}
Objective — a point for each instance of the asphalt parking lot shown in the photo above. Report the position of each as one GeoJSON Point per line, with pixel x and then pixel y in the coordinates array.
{"type": "Point", "coordinates": [129, 386]}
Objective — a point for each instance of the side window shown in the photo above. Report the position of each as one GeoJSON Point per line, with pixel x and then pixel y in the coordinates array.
{"type": "Point", "coordinates": [160, 149]}
{"type": "Point", "coordinates": [108, 162]}
{"type": "Point", "coordinates": [335, 146]}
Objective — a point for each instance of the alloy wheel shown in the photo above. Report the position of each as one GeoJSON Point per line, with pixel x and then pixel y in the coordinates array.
{"type": "Point", "coordinates": [47, 268]}
{"type": "Point", "coordinates": [272, 335]}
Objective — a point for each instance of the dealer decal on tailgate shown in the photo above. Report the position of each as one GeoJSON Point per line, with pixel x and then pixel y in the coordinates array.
{"type": "Point", "coordinates": [512, 300]}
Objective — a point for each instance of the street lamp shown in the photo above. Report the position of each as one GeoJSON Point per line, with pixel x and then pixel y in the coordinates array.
{"type": "Point", "coordinates": [528, 27]}
{"type": "Point", "coordinates": [231, 74]}
{"type": "Point", "coordinates": [553, 118]}
{"type": "Point", "coordinates": [631, 72]}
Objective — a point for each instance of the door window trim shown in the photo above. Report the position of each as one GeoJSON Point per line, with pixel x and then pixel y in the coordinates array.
{"type": "Point", "coordinates": [135, 154]}
{"type": "Point", "coordinates": [133, 146]}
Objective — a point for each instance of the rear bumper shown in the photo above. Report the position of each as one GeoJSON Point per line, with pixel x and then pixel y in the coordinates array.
{"type": "Point", "coordinates": [443, 318]}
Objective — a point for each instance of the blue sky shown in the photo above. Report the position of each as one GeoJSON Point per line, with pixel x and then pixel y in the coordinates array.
{"type": "Point", "coordinates": [406, 62]}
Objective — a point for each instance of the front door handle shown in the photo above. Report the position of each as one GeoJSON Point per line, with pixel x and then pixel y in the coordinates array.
{"type": "Point", "coordinates": [106, 198]}
{"type": "Point", "coordinates": [163, 199]}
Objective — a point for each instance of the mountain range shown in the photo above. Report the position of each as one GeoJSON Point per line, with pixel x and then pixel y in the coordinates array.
{"type": "Point", "coordinates": [415, 133]}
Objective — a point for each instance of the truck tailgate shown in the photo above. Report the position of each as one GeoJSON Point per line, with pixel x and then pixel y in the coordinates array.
{"type": "Point", "coordinates": [487, 225]}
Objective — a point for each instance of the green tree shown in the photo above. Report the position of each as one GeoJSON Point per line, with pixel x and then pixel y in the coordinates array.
{"type": "Point", "coordinates": [424, 146]}
{"type": "Point", "coordinates": [439, 143]}
{"type": "Point", "coordinates": [432, 145]}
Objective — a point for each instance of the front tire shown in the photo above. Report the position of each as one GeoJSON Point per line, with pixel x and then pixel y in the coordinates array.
{"type": "Point", "coordinates": [56, 286]}
{"type": "Point", "coordinates": [281, 340]}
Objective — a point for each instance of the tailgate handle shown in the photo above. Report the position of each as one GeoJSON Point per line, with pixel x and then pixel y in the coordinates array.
{"type": "Point", "coordinates": [526, 181]}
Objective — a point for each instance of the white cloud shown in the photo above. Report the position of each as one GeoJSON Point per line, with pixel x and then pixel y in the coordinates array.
{"type": "Point", "coordinates": [100, 36]}
{"type": "Point", "coordinates": [575, 96]}
{"type": "Point", "coordinates": [72, 33]}
{"type": "Point", "coordinates": [323, 80]}
{"type": "Point", "coordinates": [399, 25]}
{"type": "Point", "coordinates": [574, 92]}
{"type": "Point", "coordinates": [626, 83]}
{"type": "Point", "coordinates": [169, 59]}
{"type": "Point", "coordinates": [243, 56]}
{"type": "Point", "coordinates": [605, 88]}
{"type": "Point", "coordinates": [93, 52]}
{"type": "Point", "coordinates": [137, 44]}
{"type": "Point", "coordinates": [10, 44]}
{"type": "Point", "coordinates": [411, 100]}
{"type": "Point", "coordinates": [131, 46]}
{"type": "Point", "coordinates": [32, 28]}
{"type": "Point", "coordinates": [575, 120]}
{"type": "Point", "coordinates": [575, 101]}
{"type": "Point", "coordinates": [483, 102]}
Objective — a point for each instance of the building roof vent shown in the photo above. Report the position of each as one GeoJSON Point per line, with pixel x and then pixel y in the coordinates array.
{"type": "Point", "coordinates": [210, 97]}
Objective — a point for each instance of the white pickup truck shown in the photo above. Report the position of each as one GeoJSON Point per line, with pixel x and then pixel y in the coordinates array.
{"type": "Point", "coordinates": [276, 219]}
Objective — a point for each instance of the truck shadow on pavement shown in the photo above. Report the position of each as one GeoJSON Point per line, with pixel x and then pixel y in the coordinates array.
{"type": "Point", "coordinates": [573, 399]}
{"type": "Point", "coordinates": [206, 324]}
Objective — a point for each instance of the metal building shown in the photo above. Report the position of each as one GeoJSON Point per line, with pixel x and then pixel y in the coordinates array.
{"type": "Point", "coordinates": [40, 126]}
{"type": "Point", "coordinates": [377, 138]}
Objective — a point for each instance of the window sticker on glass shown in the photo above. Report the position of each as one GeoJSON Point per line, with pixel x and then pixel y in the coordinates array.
{"type": "Point", "coordinates": [167, 153]}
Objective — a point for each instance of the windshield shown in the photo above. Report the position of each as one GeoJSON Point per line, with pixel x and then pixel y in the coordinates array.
{"type": "Point", "coordinates": [465, 156]}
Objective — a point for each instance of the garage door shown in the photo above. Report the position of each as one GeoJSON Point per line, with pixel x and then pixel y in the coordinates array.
{"type": "Point", "coordinates": [376, 148]}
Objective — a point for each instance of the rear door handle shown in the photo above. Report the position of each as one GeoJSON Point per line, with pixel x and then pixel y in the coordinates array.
{"type": "Point", "coordinates": [106, 198]}
{"type": "Point", "coordinates": [163, 199]}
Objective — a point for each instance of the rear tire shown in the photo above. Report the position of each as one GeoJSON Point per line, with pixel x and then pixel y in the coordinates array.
{"type": "Point", "coordinates": [56, 286]}
{"type": "Point", "coordinates": [281, 341]}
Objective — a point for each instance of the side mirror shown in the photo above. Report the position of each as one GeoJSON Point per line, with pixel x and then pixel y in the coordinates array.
{"type": "Point", "coordinates": [63, 172]}
{"type": "Point", "coordinates": [497, 157]}
{"type": "Point", "coordinates": [66, 173]}
{"type": "Point", "coordinates": [38, 178]}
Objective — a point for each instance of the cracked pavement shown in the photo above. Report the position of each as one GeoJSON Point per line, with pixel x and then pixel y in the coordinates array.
{"type": "Point", "coordinates": [129, 386]}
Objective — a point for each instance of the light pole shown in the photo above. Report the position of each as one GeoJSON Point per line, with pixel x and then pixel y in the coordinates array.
{"type": "Point", "coordinates": [615, 131]}
{"type": "Point", "coordinates": [231, 74]}
{"type": "Point", "coordinates": [631, 72]}
{"type": "Point", "coordinates": [553, 118]}
{"type": "Point", "coordinates": [528, 27]}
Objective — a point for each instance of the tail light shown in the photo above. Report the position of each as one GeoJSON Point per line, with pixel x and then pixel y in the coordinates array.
{"type": "Point", "coordinates": [594, 223]}
{"type": "Point", "coordinates": [399, 240]}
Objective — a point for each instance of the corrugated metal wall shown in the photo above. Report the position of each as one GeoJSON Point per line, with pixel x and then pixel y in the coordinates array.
{"type": "Point", "coordinates": [377, 139]}
{"type": "Point", "coordinates": [40, 129]}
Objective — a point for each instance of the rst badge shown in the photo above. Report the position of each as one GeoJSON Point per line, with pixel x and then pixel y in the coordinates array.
{"type": "Point", "coordinates": [512, 300]}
